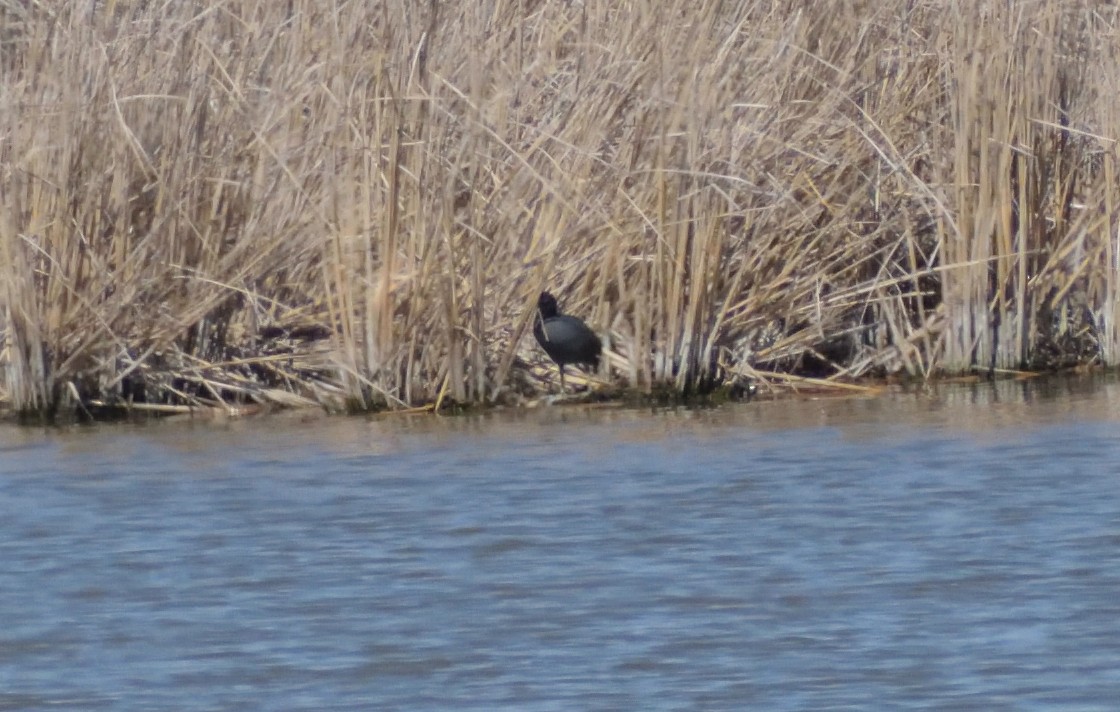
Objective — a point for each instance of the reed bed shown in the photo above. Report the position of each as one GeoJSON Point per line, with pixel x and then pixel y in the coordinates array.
{"type": "Point", "coordinates": [354, 205]}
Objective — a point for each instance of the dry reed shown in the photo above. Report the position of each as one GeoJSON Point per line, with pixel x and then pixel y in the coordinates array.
{"type": "Point", "coordinates": [355, 204]}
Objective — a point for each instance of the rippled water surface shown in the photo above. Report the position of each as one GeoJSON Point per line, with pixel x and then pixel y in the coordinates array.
{"type": "Point", "coordinates": [957, 549]}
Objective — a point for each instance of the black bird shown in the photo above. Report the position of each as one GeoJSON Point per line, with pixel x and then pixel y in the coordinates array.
{"type": "Point", "coordinates": [566, 339]}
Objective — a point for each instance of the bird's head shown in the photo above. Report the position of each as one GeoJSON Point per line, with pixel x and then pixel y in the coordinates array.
{"type": "Point", "coordinates": [547, 306]}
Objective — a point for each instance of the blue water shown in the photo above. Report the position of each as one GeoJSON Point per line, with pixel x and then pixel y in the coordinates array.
{"type": "Point", "coordinates": [953, 551]}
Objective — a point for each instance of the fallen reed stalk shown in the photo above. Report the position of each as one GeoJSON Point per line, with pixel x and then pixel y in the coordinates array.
{"type": "Point", "coordinates": [355, 205]}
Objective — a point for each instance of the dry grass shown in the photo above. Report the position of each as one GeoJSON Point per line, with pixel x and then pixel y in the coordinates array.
{"type": "Point", "coordinates": [355, 204]}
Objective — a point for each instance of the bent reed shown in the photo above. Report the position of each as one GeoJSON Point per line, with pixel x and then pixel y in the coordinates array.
{"type": "Point", "coordinates": [355, 205]}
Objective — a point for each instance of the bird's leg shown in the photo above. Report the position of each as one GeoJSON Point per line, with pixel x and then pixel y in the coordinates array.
{"type": "Point", "coordinates": [561, 380]}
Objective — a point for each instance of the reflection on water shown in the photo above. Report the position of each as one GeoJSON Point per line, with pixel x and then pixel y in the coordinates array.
{"type": "Point", "coordinates": [957, 548]}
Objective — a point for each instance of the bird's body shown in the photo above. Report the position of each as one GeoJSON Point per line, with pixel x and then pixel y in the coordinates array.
{"type": "Point", "coordinates": [566, 339]}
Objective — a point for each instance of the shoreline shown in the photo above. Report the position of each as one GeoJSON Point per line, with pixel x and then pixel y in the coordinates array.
{"type": "Point", "coordinates": [789, 388]}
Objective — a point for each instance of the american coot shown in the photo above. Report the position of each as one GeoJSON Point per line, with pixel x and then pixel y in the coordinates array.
{"type": "Point", "coordinates": [566, 339]}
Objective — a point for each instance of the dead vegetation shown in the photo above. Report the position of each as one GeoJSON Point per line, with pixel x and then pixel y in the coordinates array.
{"type": "Point", "coordinates": [355, 205]}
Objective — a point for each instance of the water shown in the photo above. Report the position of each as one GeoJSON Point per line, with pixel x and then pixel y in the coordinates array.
{"type": "Point", "coordinates": [954, 550]}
